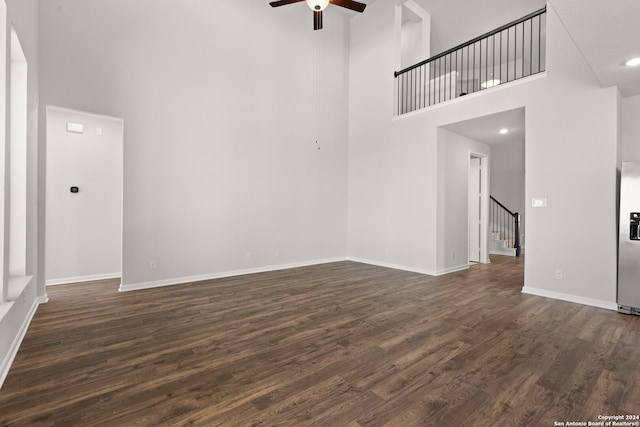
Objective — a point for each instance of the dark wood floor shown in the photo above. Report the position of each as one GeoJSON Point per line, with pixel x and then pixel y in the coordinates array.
{"type": "Point", "coordinates": [341, 344]}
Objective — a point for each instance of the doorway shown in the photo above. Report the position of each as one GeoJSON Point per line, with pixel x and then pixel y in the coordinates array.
{"type": "Point", "coordinates": [84, 174]}
{"type": "Point", "coordinates": [477, 208]}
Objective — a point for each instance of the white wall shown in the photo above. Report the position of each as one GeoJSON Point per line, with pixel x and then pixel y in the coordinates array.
{"type": "Point", "coordinates": [508, 178]}
{"type": "Point", "coordinates": [571, 155]}
{"type": "Point", "coordinates": [411, 43]}
{"type": "Point", "coordinates": [84, 229]}
{"type": "Point", "coordinates": [15, 315]}
{"type": "Point", "coordinates": [630, 129]}
{"type": "Point", "coordinates": [221, 159]}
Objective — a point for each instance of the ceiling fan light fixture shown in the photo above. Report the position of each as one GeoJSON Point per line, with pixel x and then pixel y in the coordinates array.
{"type": "Point", "coordinates": [317, 5]}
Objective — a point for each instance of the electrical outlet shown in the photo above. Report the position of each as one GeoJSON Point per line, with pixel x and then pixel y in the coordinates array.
{"type": "Point", "coordinates": [453, 254]}
{"type": "Point", "coordinates": [559, 274]}
{"type": "Point", "coordinates": [277, 252]}
{"type": "Point", "coordinates": [249, 255]}
{"type": "Point", "coordinates": [153, 265]}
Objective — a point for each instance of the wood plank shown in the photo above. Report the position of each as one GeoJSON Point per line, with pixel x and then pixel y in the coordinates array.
{"type": "Point", "coordinates": [335, 344]}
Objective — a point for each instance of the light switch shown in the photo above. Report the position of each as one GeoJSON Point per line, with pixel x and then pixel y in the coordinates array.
{"type": "Point", "coordinates": [539, 202]}
{"type": "Point", "coordinates": [99, 131]}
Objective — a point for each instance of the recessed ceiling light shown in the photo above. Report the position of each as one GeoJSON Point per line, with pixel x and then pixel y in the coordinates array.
{"type": "Point", "coordinates": [633, 62]}
{"type": "Point", "coordinates": [503, 131]}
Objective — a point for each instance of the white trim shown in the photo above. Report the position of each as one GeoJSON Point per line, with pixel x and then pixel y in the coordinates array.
{"type": "Point", "coordinates": [17, 341]}
{"type": "Point", "coordinates": [221, 275]}
{"type": "Point", "coordinates": [449, 270]}
{"type": "Point", "coordinates": [505, 252]}
{"type": "Point", "coordinates": [78, 279]}
{"type": "Point", "coordinates": [571, 298]}
{"type": "Point", "coordinates": [394, 266]}
{"type": "Point", "coordinates": [86, 113]}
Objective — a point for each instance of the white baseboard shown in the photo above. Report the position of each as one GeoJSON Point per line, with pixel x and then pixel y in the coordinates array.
{"type": "Point", "coordinates": [394, 266]}
{"type": "Point", "coordinates": [452, 269]}
{"type": "Point", "coordinates": [15, 345]}
{"type": "Point", "coordinates": [191, 279]}
{"type": "Point", "coordinates": [411, 269]}
{"type": "Point", "coordinates": [571, 298]}
{"type": "Point", "coordinates": [67, 280]}
{"type": "Point", "coordinates": [506, 252]}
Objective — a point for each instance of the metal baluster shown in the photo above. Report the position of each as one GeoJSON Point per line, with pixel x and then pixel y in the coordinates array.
{"type": "Point", "coordinates": [493, 57]}
{"type": "Point", "coordinates": [439, 81]}
{"type": "Point", "coordinates": [515, 54]}
{"type": "Point", "coordinates": [406, 92]}
{"type": "Point", "coordinates": [473, 78]}
{"type": "Point", "coordinates": [508, 37]}
{"type": "Point", "coordinates": [457, 72]}
{"type": "Point", "coordinates": [480, 64]}
{"type": "Point", "coordinates": [432, 88]}
{"type": "Point", "coordinates": [523, 49]}
{"type": "Point", "coordinates": [539, 43]}
{"type": "Point", "coordinates": [501, 55]}
{"type": "Point", "coordinates": [486, 60]}
{"type": "Point", "coordinates": [531, 47]}
{"type": "Point", "coordinates": [416, 95]}
{"type": "Point", "coordinates": [450, 72]}
{"type": "Point", "coordinates": [421, 78]}
{"type": "Point", "coordinates": [468, 67]}
{"type": "Point", "coordinates": [415, 91]}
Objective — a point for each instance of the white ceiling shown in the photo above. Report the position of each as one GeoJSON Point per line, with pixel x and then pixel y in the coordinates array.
{"type": "Point", "coordinates": [456, 21]}
{"type": "Point", "coordinates": [486, 129]}
{"type": "Point", "coordinates": [607, 33]}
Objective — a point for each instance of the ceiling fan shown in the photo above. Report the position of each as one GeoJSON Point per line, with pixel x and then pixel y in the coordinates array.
{"type": "Point", "coordinates": [317, 6]}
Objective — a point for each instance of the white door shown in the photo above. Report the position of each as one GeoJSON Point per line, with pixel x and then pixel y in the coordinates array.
{"type": "Point", "coordinates": [474, 206]}
{"type": "Point", "coordinates": [83, 237]}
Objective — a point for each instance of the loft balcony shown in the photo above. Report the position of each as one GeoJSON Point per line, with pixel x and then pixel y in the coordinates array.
{"type": "Point", "coordinates": [511, 52]}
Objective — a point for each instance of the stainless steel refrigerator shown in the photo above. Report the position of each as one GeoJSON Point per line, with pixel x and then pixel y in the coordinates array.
{"type": "Point", "coordinates": [629, 243]}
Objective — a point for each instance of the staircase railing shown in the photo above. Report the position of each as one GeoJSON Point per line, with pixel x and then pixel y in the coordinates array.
{"type": "Point", "coordinates": [506, 223]}
{"type": "Point", "coordinates": [508, 53]}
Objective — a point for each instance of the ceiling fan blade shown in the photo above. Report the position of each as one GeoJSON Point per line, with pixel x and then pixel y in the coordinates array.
{"type": "Point", "coordinates": [284, 2]}
{"type": "Point", "coordinates": [317, 20]}
{"type": "Point", "coordinates": [350, 4]}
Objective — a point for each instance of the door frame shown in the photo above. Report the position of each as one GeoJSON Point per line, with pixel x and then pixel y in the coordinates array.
{"type": "Point", "coordinates": [484, 205]}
